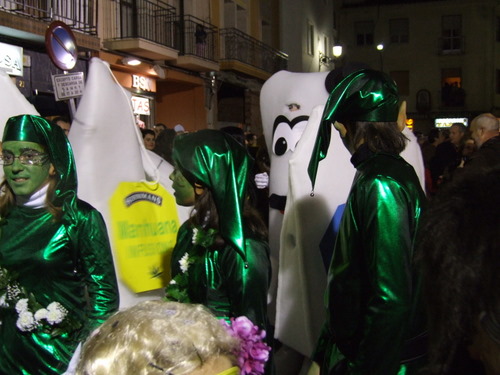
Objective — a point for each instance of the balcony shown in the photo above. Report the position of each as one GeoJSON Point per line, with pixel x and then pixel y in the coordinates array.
{"type": "Point", "coordinates": [198, 45]}
{"type": "Point", "coordinates": [244, 54]}
{"type": "Point", "coordinates": [28, 19]}
{"type": "Point", "coordinates": [142, 28]}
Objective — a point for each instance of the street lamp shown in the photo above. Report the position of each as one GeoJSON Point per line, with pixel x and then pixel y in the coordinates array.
{"type": "Point", "coordinates": [337, 51]}
{"type": "Point", "coordinates": [380, 49]}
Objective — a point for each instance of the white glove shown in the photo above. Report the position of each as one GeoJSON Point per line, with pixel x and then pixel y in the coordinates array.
{"type": "Point", "coordinates": [262, 180]}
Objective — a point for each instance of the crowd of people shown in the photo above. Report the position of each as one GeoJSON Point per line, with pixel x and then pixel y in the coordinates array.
{"type": "Point", "coordinates": [447, 151]}
{"type": "Point", "coordinates": [412, 284]}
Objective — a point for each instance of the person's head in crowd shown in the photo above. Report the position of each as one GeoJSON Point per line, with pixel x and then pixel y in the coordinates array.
{"type": "Point", "coordinates": [148, 137]}
{"type": "Point", "coordinates": [469, 148]}
{"type": "Point", "coordinates": [484, 127]}
{"type": "Point", "coordinates": [164, 143]}
{"type": "Point", "coordinates": [459, 245]}
{"type": "Point", "coordinates": [251, 139]}
{"type": "Point", "coordinates": [35, 155]}
{"type": "Point", "coordinates": [435, 136]}
{"type": "Point", "coordinates": [236, 132]}
{"type": "Point", "coordinates": [457, 133]}
{"type": "Point", "coordinates": [157, 337]}
{"type": "Point", "coordinates": [63, 123]}
{"type": "Point", "coordinates": [179, 129]}
{"type": "Point", "coordinates": [158, 128]}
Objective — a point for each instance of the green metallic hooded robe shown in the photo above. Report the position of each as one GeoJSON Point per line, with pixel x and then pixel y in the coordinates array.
{"type": "Point", "coordinates": [375, 321]}
{"type": "Point", "coordinates": [67, 261]}
{"type": "Point", "coordinates": [231, 281]}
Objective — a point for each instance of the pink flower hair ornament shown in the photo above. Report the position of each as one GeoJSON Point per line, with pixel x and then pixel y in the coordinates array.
{"type": "Point", "coordinates": [253, 352]}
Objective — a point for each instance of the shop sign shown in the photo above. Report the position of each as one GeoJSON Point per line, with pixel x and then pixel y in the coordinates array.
{"type": "Point", "coordinates": [140, 105]}
{"type": "Point", "coordinates": [67, 86]}
{"type": "Point", "coordinates": [448, 122]}
{"type": "Point", "coordinates": [11, 59]}
{"type": "Point", "coordinates": [142, 83]}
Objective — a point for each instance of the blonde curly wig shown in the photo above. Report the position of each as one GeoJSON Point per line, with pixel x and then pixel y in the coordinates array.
{"type": "Point", "coordinates": [156, 337]}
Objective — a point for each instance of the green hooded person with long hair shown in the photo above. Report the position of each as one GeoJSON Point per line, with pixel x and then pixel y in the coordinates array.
{"type": "Point", "coordinates": [221, 258]}
{"type": "Point", "coordinates": [57, 279]}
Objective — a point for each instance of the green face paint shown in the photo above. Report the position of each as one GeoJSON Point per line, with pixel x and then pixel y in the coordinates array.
{"type": "Point", "coordinates": [23, 179]}
{"type": "Point", "coordinates": [183, 190]}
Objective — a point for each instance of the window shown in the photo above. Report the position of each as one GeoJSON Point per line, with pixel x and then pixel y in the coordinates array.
{"type": "Point", "coordinates": [364, 33]}
{"type": "Point", "coordinates": [452, 92]}
{"type": "Point", "coordinates": [402, 79]}
{"type": "Point", "coordinates": [398, 30]}
{"type": "Point", "coordinates": [451, 34]}
{"type": "Point", "coordinates": [310, 39]}
{"type": "Point", "coordinates": [326, 43]}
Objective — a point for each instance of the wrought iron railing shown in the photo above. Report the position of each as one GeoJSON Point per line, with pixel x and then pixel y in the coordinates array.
{"type": "Point", "coordinates": [149, 20]}
{"type": "Point", "coordinates": [200, 38]}
{"type": "Point", "coordinates": [80, 15]}
{"type": "Point", "coordinates": [236, 45]}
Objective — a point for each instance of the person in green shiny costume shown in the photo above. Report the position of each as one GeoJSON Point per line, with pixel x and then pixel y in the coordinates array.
{"type": "Point", "coordinates": [54, 249]}
{"type": "Point", "coordinates": [375, 324]}
{"type": "Point", "coordinates": [221, 258]}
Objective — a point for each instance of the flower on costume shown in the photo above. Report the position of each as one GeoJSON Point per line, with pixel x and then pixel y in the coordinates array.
{"type": "Point", "coordinates": [52, 319]}
{"type": "Point", "coordinates": [22, 305]}
{"type": "Point", "coordinates": [184, 263]}
{"type": "Point", "coordinates": [202, 237]}
{"type": "Point", "coordinates": [41, 314]}
{"type": "Point", "coordinates": [26, 321]}
{"type": "Point", "coordinates": [177, 289]}
{"type": "Point", "coordinates": [55, 313]}
{"type": "Point", "coordinates": [253, 352]}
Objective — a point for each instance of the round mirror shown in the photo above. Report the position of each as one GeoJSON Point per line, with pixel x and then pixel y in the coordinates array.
{"type": "Point", "coordinates": [61, 45]}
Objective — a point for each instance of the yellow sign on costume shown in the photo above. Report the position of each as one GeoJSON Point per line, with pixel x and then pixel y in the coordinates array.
{"type": "Point", "coordinates": [144, 230]}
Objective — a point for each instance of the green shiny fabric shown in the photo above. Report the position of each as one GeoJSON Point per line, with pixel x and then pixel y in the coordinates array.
{"type": "Point", "coordinates": [67, 261]}
{"type": "Point", "coordinates": [20, 128]}
{"type": "Point", "coordinates": [217, 161]}
{"type": "Point", "coordinates": [373, 293]}
{"type": "Point", "coordinates": [222, 281]}
{"type": "Point", "coordinates": [55, 268]}
{"type": "Point", "coordinates": [365, 95]}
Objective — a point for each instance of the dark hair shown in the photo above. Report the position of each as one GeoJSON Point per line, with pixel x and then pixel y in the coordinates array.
{"type": "Point", "coordinates": [433, 135]}
{"type": "Point", "coordinates": [206, 216]}
{"type": "Point", "coordinates": [146, 132]}
{"type": "Point", "coordinates": [460, 126]}
{"type": "Point", "coordinates": [459, 251]}
{"type": "Point", "coordinates": [378, 136]}
{"type": "Point", "coordinates": [165, 143]}
{"type": "Point", "coordinates": [235, 132]}
{"type": "Point", "coordinates": [250, 137]}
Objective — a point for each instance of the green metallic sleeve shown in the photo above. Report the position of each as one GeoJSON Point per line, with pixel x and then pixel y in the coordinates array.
{"type": "Point", "coordinates": [98, 268]}
{"type": "Point", "coordinates": [387, 238]}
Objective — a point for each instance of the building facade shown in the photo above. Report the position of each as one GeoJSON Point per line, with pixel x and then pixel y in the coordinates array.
{"type": "Point", "coordinates": [308, 33]}
{"type": "Point", "coordinates": [443, 54]}
{"type": "Point", "coordinates": [200, 63]}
